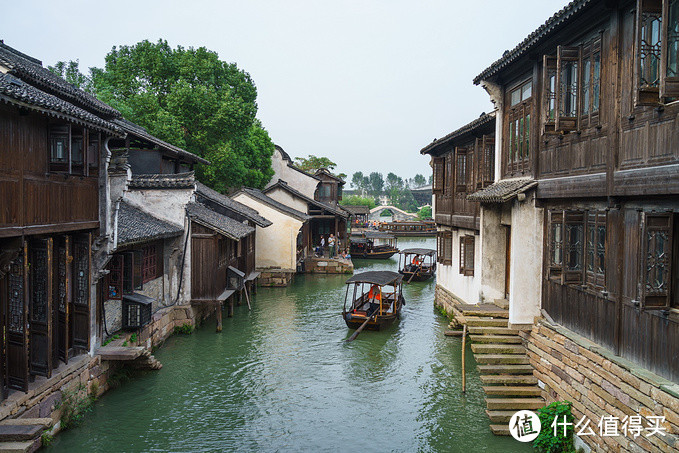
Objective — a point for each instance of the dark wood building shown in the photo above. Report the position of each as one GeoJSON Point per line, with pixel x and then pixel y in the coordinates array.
{"type": "Point", "coordinates": [52, 139]}
{"type": "Point", "coordinates": [588, 108]}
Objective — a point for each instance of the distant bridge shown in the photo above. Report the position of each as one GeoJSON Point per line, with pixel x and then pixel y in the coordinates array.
{"type": "Point", "coordinates": [398, 214]}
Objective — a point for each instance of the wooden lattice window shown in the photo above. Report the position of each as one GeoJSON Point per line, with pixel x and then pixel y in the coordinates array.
{"type": "Point", "coordinates": [649, 50]}
{"type": "Point", "coordinates": [62, 262]}
{"type": "Point", "coordinates": [485, 161]}
{"type": "Point", "coordinates": [16, 289]}
{"type": "Point", "coordinates": [81, 273]}
{"type": "Point", "coordinates": [556, 243]}
{"type": "Point", "coordinates": [591, 83]}
{"type": "Point", "coordinates": [439, 178]}
{"type": "Point", "coordinates": [39, 280]}
{"type": "Point", "coordinates": [567, 84]}
{"type": "Point", "coordinates": [461, 170]}
{"type": "Point", "coordinates": [595, 247]}
{"type": "Point", "coordinates": [59, 140]}
{"type": "Point", "coordinates": [444, 247]}
{"type": "Point", "coordinates": [152, 258]}
{"type": "Point", "coordinates": [519, 120]}
{"type": "Point", "coordinates": [657, 263]}
{"type": "Point", "coordinates": [115, 277]}
{"type": "Point", "coordinates": [574, 229]}
{"type": "Point", "coordinates": [467, 255]}
{"type": "Point", "coordinates": [669, 64]}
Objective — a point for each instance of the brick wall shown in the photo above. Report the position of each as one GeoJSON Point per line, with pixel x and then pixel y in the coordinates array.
{"type": "Point", "coordinates": [599, 383]}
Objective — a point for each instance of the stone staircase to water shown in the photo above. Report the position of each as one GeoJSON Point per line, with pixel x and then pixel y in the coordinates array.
{"type": "Point", "coordinates": [505, 370]}
{"type": "Point", "coordinates": [22, 435]}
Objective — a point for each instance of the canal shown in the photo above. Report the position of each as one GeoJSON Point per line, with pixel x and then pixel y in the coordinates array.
{"type": "Point", "coordinates": [281, 378]}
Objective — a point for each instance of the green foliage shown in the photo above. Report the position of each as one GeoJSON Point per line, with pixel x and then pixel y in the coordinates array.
{"type": "Point", "coordinates": [124, 343]}
{"type": "Point", "coordinates": [418, 181]}
{"type": "Point", "coordinates": [375, 184]}
{"type": "Point", "coordinates": [110, 339]}
{"type": "Point", "coordinates": [184, 329]}
{"type": "Point", "coordinates": [546, 442]}
{"type": "Point", "coordinates": [357, 200]}
{"type": "Point", "coordinates": [313, 163]}
{"type": "Point", "coordinates": [386, 213]}
{"type": "Point", "coordinates": [133, 338]}
{"type": "Point", "coordinates": [424, 212]}
{"type": "Point", "coordinates": [70, 71]}
{"type": "Point", "coordinates": [46, 440]}
{"type": "Point", "coordinates": [74, 405]}
{"type": "Point", "coordinates": [192, 99]}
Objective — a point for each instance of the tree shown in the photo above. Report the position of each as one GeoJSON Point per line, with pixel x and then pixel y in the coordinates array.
{"type": "Point", "coordinates": [358, 181]}
{"type": "Point", "coordinates": [357, 200]}
{"type": "Point", "coordinates": [192, 99]}
{"type": "Point", "coordinates": [375, 183]}
{"type": "Point", "coordinates": [393, 182]}
{"type": "Point", "coordinates": [424, 212]}
{"type": "Point", "coordinates": [70, 72]}
{"type": "Point", "coordinates": [313, 163]}
{"type": "Point", "coordinates": [419, 181]}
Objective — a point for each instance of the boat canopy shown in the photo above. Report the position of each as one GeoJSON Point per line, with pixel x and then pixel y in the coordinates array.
{"type": "Point", "coordinates": [416, 251]}
{"type": "Point", "coordinates": [380, 278]}
{"type": "Point", "coordinates": [378, 235]}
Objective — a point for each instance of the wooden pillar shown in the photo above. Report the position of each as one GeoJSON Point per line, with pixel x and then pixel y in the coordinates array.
{"type": "Point", "coordinates": [229, 311]}
{"type": "Point", "coordinates": [219, 316]}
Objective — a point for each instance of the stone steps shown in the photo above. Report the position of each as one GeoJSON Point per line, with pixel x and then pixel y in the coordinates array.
{"type": "Point", "coordinates": [508, 379]}
{"type": "Point", "coordinates": [514, 404]}
{"type": "Point", "coordinates": [512, 390]}
{"type": "Point", "coordinates": [503, 359]}
{"type": "Point", "coordinates": [502, 303]}
{"type": "Point", "coordinates": [498, 349]}
{"type": "Point", "coordinates": [500, 416]}
{"type": "Point", "coordinates": [500, 430]}
{"type": "Point", "coordinates": [505, 369]}
{"type": "Point", "coordinates": [499, 313]}
{"type": "Point", "coordinates": [492, 331]}
{"type": "Point", "coordinates": [28, 446]}
{"type": "Point", "coordinates": [11, 433]}
{"type": "Point", "coordinates": [479, 321]}
{"type": "Point", "coordinates": [510, 339]}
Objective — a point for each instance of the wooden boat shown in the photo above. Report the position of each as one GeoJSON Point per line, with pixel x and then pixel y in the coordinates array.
{"type": "Point", "coordinates": [374, 296]}
{"type": "Point", "coordinates": [421, 228]}
{"type": "Point", "coordinates": [417, 264]}
{"type": "Point", "coordinates": [373, 245]}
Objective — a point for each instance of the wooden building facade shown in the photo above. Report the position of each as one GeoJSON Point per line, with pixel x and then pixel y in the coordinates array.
{"type": "Point", "coordinates": [51, 153]}
{"type": "Point", "coordinates": [463, 162]}
{"type": "Point", "coordinates": [589, 117]}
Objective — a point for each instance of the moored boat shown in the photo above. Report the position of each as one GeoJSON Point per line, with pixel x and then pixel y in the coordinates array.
{"type": "Point", "coordinates": [417, 264]}
{"type": "Point", "coordinates": [373, 300]}
{"type": "Point", "coordinates": [373, 245]}
{"type": "Point", "coordinates": [408, 228]}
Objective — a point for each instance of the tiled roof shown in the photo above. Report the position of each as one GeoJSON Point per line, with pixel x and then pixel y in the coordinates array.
{"type": "Point", "coordinates": [135, 225]}
{"type": "Point", "coordinates": [233, 205]}
{"type": "Point", "coordinates": [484, 119]}
{"type": "Point", "coordinates": [327, 206]}
{"type": "Point", "coordinates": [224, 225]}
{"type": "Point", "coordinates": [185, 180]}
{"type": "Point", "coordinates": [260, 196]}
{"type": "Point", "coordinates": [16, 91]}
{"type": "Point", "coordinates": [326, 172]}
{"type": "Point", "coordinates": [503, 190]}
{"type": "Point", "coordinates": [552, 24]}
{"type": "Point", "coordinates": [356, 209]}
{"type": "Point", "coordinates": [31, 70]}
{"type": "Point", "coordinates": [135, 129]}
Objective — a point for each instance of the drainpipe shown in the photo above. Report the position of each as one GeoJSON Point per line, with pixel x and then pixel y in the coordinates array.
{"type": "Point", "coordinates": [115, 224]}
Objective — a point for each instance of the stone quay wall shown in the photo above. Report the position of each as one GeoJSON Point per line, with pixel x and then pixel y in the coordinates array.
{"type": "Point", "coordinates": [449, 303]}
{"type": "Point", "coordinates": [275, 277]}
{"type": "Point", "coordinates": [598, 383]}
{"type": "Point", "coordinates": [328, 266]}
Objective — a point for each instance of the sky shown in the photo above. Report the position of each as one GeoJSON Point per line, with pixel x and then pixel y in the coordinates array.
{"type": "Point", "coordinates": [365, 83]}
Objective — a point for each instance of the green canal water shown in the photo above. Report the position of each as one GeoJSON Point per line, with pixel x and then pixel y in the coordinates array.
{"type": "Point", "coordinates": [281, 378]}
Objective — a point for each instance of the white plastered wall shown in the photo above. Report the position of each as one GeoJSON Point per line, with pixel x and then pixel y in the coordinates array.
{"type": "Point", "coordinates": [466, 288]}
{"type": "Point", "coordinates": [525, 282]}
{"type": "Point", "coordinates": [277, 243]}
{"type": "Point", "coordinates": [297, 180]}
{"type": "Point", "coordinates": [289, 200]}
{"type": "Point", "coordinates": [493, 253]}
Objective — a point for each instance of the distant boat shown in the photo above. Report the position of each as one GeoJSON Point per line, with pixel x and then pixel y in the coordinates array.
{"type": "Point", "coordinates": [417, 264]}
{"type": "Point", "coordinates": [373, 301]}
{"type": "Point", "coordinates": [420, 228]}
{"type": "Point", "coordinates": [373, 245]}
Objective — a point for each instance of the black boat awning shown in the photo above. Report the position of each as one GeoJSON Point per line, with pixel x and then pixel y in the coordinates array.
{"type": "Point", "coordinates": [380, 278]}
{"type": "Point", "coordinates": [416, 251]}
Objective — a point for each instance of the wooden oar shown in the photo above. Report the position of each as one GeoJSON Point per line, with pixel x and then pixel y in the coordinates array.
{"type": "Point", "coordinates": [360, 328]}
{"type": "Point", "coordinates": [247, 297]}
{"type": "Point", "coordinates": [413, 274]}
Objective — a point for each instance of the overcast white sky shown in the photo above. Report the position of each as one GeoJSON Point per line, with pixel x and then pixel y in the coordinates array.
{"type": "Point", "coordinates": [365, 83]}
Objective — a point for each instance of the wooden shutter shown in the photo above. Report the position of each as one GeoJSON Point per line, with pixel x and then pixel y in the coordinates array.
{"type": "Point", "coordinates": [549, 92]}
{"type": "Point", "coordinates": [439, 175]}
{"type": "Point", "coordinates": [40, 336]}
{"type": "Point", "coordinates": [469, 256]}
{"type": "Point", "coordinates": [63, 300]}
{"type": "Point", "coordinates": [82, 258]}
{"type": "Point", "coordinates": [461, 257]}
{"type": "Point", "coordinates": [563, 120]}
{"type": "Point", "coordinates": [556, 244]}
{"type": "Point", "coordinates": [461, 170]}
{"type": "Point", "coordinates": [471, 173]}
{"type": "Point", "coordinates": [138, 269]}
{"type": "Point", "coordinates": [656, 284]}
{"type": "Point", "coordinates": [644, 95]}
{"type": "Point", "coordinates": [488, 176]}
{"type": "Point", "coordinates": [17, 322]}
{"type": "Point", "coordinates": [128, 272]}
{"type": "Point", "coordinates": [447, 247]}
{"type": "Point", "coordinates": [574, 238]}
{"type": "Point", "coordinates": [669, 85]}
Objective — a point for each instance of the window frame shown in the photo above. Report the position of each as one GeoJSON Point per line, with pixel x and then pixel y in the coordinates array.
{"type": "Point", "coordinates": [653, 222]}
{"type": "Point", "coordinates": [467, 245]}
{"type": "Point", "coordinates": [669, 85]}
{"type": "Point", "coordinates": [518, 129]}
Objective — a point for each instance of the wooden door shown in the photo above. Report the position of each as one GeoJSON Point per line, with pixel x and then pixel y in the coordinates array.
{"type": "Point", "coordinates": [4, 293]}
{"type": "Point", "coordinates": [17, 312]}
{"type": "Point", "coordinates": [62, 298]}
{"type": "Point", "coordinates": [81, 292]}
{"type": "Point", "coordinates": [40, 307]}
{"type": "Point", "coordinates": [508, 255]}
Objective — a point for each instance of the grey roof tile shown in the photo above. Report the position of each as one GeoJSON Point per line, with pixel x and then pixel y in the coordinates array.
{"type": "Point", "coordinates": [224, 225]}
{"type": "Point", "coordinates": [483, 120]}
{"type": "Point", "coordinates": [136, 225]}
{"type": "Point", "coordinates": [337, 210]}
{"type": "Point", "coordinates": [233, 205]}
{"type": "Point", "coordinates": [185, 180]}
{"type": "Point", "coordinates": [260, 196]}
{"type": "Point", "coordinates": [503, 190]}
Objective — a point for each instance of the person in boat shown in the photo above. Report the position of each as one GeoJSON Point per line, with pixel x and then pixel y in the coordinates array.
{"type": "Point", "coordinates": [414, 264]}
{"type": "Point", "coordinates": [374, 298]}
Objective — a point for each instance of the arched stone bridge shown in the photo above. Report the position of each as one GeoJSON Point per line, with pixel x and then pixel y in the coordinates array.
{"type": "Point", "coordinates": [399, 215]}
